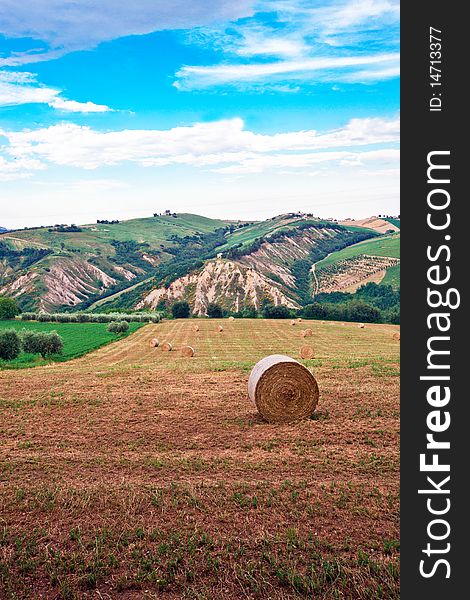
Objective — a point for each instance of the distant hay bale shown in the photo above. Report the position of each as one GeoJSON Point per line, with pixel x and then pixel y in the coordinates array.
{"type": "Point", "coordinates": [187, 351]}
{"type": "Point", "coordinates": [361, 325]}
{"type": "Point", "coordinates": [307, 333]}
{"type": "Point", "coordinates": [154, 343]}
{"type": "Point", "coordinates": [282, 389]}
{"type": "Point", "coordinates": [307, 352]}
{"type": "Point", "coordinates": [396, 336]}
{"type": "Point", "coordinates": [299, 320]}
{"type": "Point", "coordinates": [231, 318]}
{"type": "Point", "coordinates": [166, 347]}
{"type": "Point", "coordinates": [196, 328]}
{"type": "Point", "coordinates": [293, 322]}
{"type": "Point", "coordinates": [220, 328]}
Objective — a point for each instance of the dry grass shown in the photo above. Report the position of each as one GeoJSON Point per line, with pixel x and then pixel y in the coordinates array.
{"type": "Point", "coordinates": [120, 480]}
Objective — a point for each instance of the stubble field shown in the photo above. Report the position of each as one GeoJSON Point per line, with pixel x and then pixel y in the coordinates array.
{"type": "Point", "coordinates": [132, 473]}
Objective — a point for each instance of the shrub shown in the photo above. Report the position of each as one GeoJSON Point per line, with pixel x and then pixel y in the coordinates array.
{"type": "Point", "coordinates": [8, 308]}
{"type": "Point", "coordinates": [118, 327]}
{"type": "Point", "coordinates": [42, 342]}
{"type": "Point", "coordinates": [276, 312]}
{"type": "Point", "coordinates": [10, 344]}
{"type": "Point", "coordinates": [29, 316]}
{"type": "Point", "coordinates": [214, 311]}
{"type": "Point", "coordinates": [180, 310]}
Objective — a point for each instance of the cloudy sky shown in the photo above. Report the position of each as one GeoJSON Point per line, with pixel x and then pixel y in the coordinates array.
{"type": "Point", "coordinates": [246, 109]}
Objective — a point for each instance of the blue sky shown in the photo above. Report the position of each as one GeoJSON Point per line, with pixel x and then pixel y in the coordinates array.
{"type": "Point", "coordinates": [114, 109]}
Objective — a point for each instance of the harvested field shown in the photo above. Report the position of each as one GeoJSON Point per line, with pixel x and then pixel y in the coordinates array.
{"type": "Point", "coordinates": [132, 474]}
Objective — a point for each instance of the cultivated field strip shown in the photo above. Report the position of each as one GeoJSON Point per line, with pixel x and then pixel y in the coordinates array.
{"type": "Point", "coordinates": [244, 341]}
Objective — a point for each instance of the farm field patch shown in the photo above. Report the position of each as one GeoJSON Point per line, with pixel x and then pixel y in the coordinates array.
{"type": "Point", "coordinates": [78, 338]}
{"type": "Point", "coordinates": [383, 246]}
{"type": "Point", "coordinates": [133, 473]}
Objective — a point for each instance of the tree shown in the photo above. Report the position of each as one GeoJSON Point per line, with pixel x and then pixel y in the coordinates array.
{"type": "Point", "coordinates": [314, 311]}
{"type": "Point", "coordinates": [249, 312]}
{"type": "Point", "coordinates": [214, 311]}
{"type": "Point", "coordinates": [8, 308]}
{"type": "Point", "coordinates": [10, 344]}
{"type": "Point", "coordinates": [180, 310]}
{"type": "Point", "coordinates": [276, 312]}
{"type": "Point", "coordinates": [118, 327]}
{"type": "Point", "coordinates": [360, 311]}
{"type": "Point", "coordinates": [42, 342]}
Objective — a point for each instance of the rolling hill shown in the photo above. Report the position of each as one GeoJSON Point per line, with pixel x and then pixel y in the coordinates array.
{"type": "Point", "coordinates": [145, 263]}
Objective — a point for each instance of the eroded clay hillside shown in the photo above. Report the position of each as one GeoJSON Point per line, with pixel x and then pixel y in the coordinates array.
{"type": "Point", "coordinates": [271, 271]}
{"type": "Point", "coordinates": [141, 263]}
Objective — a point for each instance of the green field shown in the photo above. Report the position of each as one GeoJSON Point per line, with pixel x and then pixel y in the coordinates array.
{"type": "Point", "coordinates": [383, 246]}
{"type": "Point", "coordinates": [392, 277]}
{"type": "Point", "coordinates": [247, 235]}
{"type": "Point", "coordinates": [395, 222]}
{"type": "Point", "coordinates": [78, 338]}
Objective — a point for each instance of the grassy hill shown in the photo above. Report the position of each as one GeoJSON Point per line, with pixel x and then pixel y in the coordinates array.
{"type": "Point", "coordinates": [116, 264]}
{"type": "Point", "coordinates": [52, 266]}
{"type": "Point", "coordinates": [150, 230]}
{"type": "Point", "coordinates": [388, 245]}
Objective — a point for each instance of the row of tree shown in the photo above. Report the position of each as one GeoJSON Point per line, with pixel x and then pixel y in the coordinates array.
{"type": "Point", "coordinates": [33, 342]}
{"type": "Point", "coordinates": [372, 303]}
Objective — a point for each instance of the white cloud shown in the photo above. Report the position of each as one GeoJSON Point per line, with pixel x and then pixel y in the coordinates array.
{"type": "Point", "coordinates": [309, 42]}
{"type": "Point", "coordinates": [67, 25]}
{"type": "Point", "coordinates": [74, 106]}
{"type": "Point", "coordinates": [343, 17]}
{"type": "Point", "coordinates": [224, 145]}
{"type": "Point", "coordinates": [22, 168]}
{"type": "Point", "coordinates": [325, 69]}
{"type": "Point", "coordinates": [18, 88]}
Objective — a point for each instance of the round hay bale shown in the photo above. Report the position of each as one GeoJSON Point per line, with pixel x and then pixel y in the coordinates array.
{"type": "Point", "coordinates": [307, 352]}
{"type": "Point", "coordinates": [299, 320]}
{"type": "Point", "coordinates": [293, 322]}
{"type": "Point", "coordinates": [282, 389]}
{"type": "Point", "coordinates": [231, 318]}
{"type": "Point", "coordinates": [154, 343]}
{"type": "Point", "coordinates": [187, 351]}
{"type": "Point", "coordinates": [361, 325]}
{"type": "Point", "coordinates": [220, 328]}
{"type": "Point", "coordinates": [196, 327]}
{"type": "Point", "coordinates": [396, 336]}
{"type": "Point", "coordinates": [307, 333]}
{"type": "Point", "coordinates": [166, 347]}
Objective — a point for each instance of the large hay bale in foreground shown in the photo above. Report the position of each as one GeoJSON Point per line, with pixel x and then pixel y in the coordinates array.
{"type": "Point", "coordinates": [166, 347]}
{"type": "Point", "coordinates": [396, 336]}
{"type": "Point", "coordinates": [307, 333]}
{"type": "Point", "coordinates": [154, 343]}
{"type": "Point", "coordinates": [220, 328]}
{"type": "Point", "coordinates": [307, 352]}
{"type": "Point", "coordinates": [282, 389]}
{"type": "Point", "coordinates": [187, 351]}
